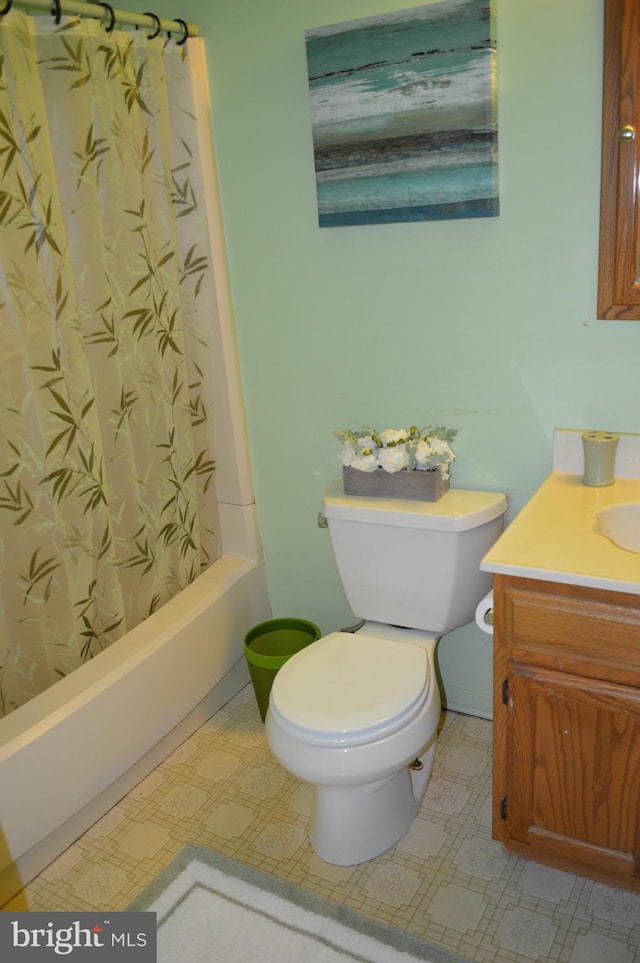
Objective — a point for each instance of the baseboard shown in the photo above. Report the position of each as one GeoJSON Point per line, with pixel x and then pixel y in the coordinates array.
{"type": "Point", "coordinates": [469, 702]}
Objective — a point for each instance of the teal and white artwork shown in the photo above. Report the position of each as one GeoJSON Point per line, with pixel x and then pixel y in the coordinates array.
{"type": "Point", "coordinates": [403, 113]}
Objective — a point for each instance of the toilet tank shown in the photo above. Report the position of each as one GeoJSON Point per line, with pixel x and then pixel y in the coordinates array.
{"type": "Point", "coordinates": [414, 564]}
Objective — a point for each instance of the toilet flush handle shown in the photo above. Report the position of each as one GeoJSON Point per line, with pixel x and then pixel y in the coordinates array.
{"type": "Point", "coordinates": [322, 522]}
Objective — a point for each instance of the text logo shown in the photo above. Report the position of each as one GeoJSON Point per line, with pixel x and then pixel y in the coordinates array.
{"type": "Point", "coordinates": [79, 937]}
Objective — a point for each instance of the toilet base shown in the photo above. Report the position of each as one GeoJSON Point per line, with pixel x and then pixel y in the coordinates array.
{"type": "Point", "coordinates": [353, 824]}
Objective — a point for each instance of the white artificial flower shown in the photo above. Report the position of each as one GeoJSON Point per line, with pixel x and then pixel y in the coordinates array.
{"type": "Point", "coordinates": [391, 436]}
{"type": "Point", "coordinates": [346, 454]}
{"type": "Point", "coordinates": [393, 459]}
{"type": "Point", "coordinates": [439, 446]}
{"type": "Point", "coordinates": [364, 462]}
{"type": "Point", "coordinates": [366, 443]}
{"type": "Point", "coordinates": [443, 454]}
{"type": "Point", "coordinates": [424, 455]}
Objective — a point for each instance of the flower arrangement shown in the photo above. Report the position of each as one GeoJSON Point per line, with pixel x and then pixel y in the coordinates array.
{"type": "Point", "coordinates": [395, 449]}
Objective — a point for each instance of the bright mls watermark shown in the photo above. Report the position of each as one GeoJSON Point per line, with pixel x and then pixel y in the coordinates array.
{"type": "Point", "coordinates": [78, 937]}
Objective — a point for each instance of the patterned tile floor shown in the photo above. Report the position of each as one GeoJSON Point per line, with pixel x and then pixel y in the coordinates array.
{"type": "Point", "coordinates": [446, 879]}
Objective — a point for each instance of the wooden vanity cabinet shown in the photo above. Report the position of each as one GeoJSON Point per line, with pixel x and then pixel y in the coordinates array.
{"type": "Point", "coordinates": [566, 781]}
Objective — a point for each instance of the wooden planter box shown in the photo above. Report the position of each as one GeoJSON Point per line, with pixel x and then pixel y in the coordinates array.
{"type": "Point", "coordinates": [423, 486]}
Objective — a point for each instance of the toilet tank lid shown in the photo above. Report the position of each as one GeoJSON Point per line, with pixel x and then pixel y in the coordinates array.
{"type": "Point", "coordinates": [458, 510]}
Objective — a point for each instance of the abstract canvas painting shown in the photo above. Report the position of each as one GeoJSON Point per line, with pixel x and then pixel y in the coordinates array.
{"type": "Point", "coordinates": [403, 115]}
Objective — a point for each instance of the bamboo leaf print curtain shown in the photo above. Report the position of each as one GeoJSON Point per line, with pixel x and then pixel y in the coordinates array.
{"type": "Point", "coordinates": [107, 491]}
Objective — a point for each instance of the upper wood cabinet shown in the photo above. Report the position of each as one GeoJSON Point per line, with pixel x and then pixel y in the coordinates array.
{"type": "Point", "coordinates": [619, 262]}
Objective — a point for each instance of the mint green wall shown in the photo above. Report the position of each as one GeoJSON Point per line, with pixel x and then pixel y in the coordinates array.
{"type": "Point", "coordinates": [485, 325]}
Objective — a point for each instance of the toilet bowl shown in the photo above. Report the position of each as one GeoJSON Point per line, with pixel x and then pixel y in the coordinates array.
{"type": "Point", "coordinates": [356, 715]}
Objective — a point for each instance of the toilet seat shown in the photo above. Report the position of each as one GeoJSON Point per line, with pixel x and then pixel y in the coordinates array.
{"type": "Point", "coordinates": [348, 689]}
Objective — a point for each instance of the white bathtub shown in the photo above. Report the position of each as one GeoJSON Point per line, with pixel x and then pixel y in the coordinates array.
{"type": "Point", "coordinates": [72, 752]}
{"type": "Point", "coordinates": [75, 750]}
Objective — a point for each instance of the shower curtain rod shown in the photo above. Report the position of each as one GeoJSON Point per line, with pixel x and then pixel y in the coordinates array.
{"type": "Point", "coordinates": [103, 11]}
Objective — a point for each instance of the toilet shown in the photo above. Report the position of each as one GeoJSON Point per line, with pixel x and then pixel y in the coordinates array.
{"type": "Point", "coordinates": [356, 713]}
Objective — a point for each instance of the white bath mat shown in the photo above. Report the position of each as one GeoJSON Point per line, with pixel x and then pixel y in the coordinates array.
{"type": "Point", "coordinates": [211, 909]}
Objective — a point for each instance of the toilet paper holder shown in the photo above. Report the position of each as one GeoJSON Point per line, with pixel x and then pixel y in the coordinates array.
{"type": "Point", "coordinates": [484, 613]}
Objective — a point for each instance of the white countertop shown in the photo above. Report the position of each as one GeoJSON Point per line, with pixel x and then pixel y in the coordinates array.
{"type": "Point", "coordinates": [553, 537]}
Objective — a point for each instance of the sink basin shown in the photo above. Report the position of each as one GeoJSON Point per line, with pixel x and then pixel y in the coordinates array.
{"type": "Point", "coordinates": [621, 524]}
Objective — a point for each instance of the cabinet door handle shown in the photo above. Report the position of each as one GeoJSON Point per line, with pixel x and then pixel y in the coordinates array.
{"type": "Point", "coordinates": [627, 133]}
{"type": "Point", "coordinates": [505, 691]}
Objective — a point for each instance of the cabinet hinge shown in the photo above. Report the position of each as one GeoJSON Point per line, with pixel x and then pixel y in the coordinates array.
{"type": "Point", "coordinates": [503, 808]}
{"type": "Point", "coordinates": [505, 691]}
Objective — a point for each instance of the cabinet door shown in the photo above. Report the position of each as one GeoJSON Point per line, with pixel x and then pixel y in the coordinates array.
{"type": "Point", "coordinates": [619, 261]}
{"type": "Point", "coordinates": [573, 770]}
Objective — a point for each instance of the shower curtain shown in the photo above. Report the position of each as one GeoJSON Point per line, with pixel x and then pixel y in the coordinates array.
{"type": "Point", "coordinates": [107, 493]}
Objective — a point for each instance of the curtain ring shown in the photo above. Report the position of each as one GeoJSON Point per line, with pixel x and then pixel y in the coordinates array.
{"type": "Point", "coordinates": [6, 8]}
{"type": "Point", "coordinates": [112, 22]}
{"type": "Point", "coordinates": [56, 11]}
{"type": "Point", "coordinates": [185, 32]}
{"type": "Point", "coordinates": [156, 23]}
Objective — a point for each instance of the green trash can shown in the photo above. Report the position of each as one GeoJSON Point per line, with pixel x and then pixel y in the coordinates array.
{"type": "Point", "coordinates": [267, 647]}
